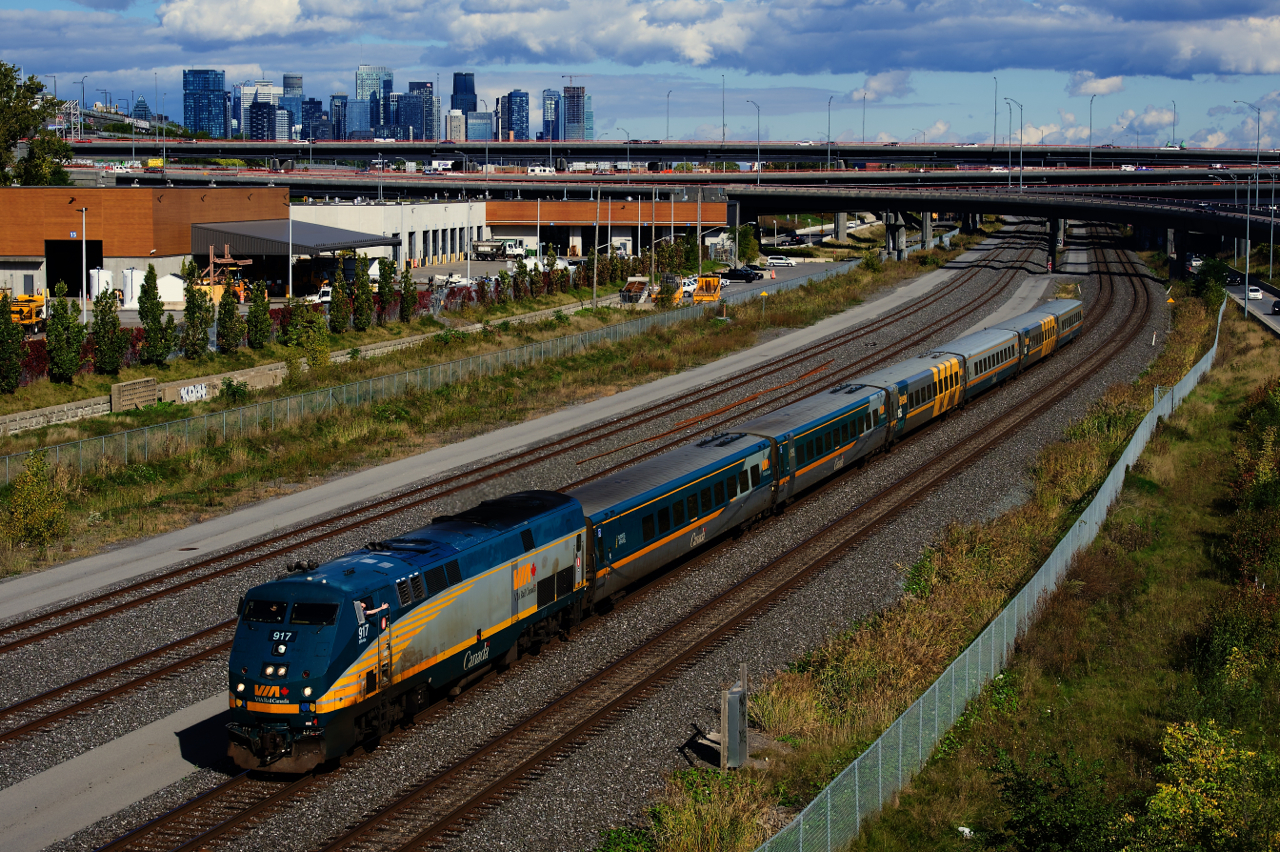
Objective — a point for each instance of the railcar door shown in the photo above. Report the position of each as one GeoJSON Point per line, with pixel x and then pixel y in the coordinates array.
{"type": "Point", "coordinates": [787, 467]}
{"type": "Point", "coordinates": [379, 619]}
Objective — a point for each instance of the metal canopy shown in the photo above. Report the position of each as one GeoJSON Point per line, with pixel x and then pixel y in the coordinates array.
{"type": "Point", "coordinates": [271, 237]}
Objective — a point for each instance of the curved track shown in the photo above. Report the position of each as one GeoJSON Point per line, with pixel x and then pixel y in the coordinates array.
{"type": "Point", "coordinates": [426, 813]}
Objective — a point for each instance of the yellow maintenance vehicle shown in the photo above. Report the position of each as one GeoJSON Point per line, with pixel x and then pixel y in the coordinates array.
{"type": "Point", "coordinates": [29, 312]}
{"type": "Point", "coordinates": [708, 289]}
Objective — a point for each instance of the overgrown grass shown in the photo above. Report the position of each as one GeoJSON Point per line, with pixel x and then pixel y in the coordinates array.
{"type": "Point", "coordinates": [832, 703]}
{"type": "Point", "coordinates": [114, 503]}
{"type": "Point", "coordinates": [1147, 635]}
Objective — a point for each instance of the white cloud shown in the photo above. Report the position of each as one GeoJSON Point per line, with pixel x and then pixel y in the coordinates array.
{"type": "Point", "coordinates": [1087, 83]}
{"type": "Point", "coordinates": [887, 84]}
{"type": "Point", "coordinates": [229, 20]}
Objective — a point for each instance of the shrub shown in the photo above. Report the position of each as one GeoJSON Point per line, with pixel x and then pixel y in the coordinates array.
{"type": "Point", "coordinates": [231, 326]}
{"type": "Point", "coordinates": [159, 329]}
{"type": "Point", "coordinates": [65, 338]}
{"type": "Point", "coordinates": [236, 393]}
{"type": "Point", "coordinates": [871, 261]}
{"type": "Point", "coordinates": [37, 509]}
{"type": "Point", "coordinates": [258, 326]}
{"type": "Point", "coordinates": [10, 349]}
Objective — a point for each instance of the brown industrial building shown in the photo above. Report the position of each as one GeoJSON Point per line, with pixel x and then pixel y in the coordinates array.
{"type": "Point", "coordinates": [41, 228]}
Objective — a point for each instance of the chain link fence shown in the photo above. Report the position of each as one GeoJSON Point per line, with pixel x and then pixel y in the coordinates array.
{"type": "Point", "coordinates": [832, 820]}
{"type": "Point", "coordinates": [141, 445]}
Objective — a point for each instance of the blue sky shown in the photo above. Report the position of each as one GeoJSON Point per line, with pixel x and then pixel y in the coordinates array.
{"type": "Point", "coordinates": [925, 68]}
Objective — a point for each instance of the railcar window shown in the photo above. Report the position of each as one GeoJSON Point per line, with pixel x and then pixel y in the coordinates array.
{"type": "Point", "coordinates": [664, 520]}
{"type": "Point", "coordinates": [677, 513]}
{"type": "Point", "coordinates": [755, 476]}
{"type": "Point", "coordinates": [826, 442]}
{"type": "Point", "coordinates": [314, 613]}
{"type": "Point", "coordinates": [646, 527]}
{"type": "Point", "coordinates": [809, 452]}
{"type": "Point", "coordinates": [719, 493]}
{"type": "Point", "coordinates": [744, 482]}
{"type": "Point", "coordinates": [707, 505]}
{"type": "Point", "coordinates": [692, 500]}
{"type": "Point", "coordinates": [731, 485]}
{"type": "Point", "coordinates": [265, 612]}
{"type": "Point", "coordinates": [844, 433]}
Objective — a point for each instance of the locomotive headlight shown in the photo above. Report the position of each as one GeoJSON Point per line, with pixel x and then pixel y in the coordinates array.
{"type": "Point", "coordinates": [269, 671]}
{"type": "Point", "coordinates": [306, 691]}
{"type": "Point", "coordinates": [282, 670]}
{"type": "Point", "coordinates": [239, 687]}
{"type": "Point", "coordinates": [280, 649]}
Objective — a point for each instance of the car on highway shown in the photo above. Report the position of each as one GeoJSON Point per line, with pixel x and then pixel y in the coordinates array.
{"type": "Point", "coordinates": [1255, 294]}
{"type": "Point", "coordinates": [1275, 307]}
{"type": "Point", "coordinates": [999, 169]}
{"type": "Point", "coordinates": [1128, 167]}
{"type": "Point", "coordinates": [779, 260]}
{"type": "Point", "coordinates": [742, 273]}
{"type": "Point", "coordinates": [1196, 262]}
{"type": "Point", "coordinates": [806, 142]}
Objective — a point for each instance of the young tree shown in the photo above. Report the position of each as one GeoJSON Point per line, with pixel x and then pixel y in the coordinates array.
{"type": "Point", "coordinates": [197, 316]}
{"type": "Point", "coordinates": [259, 324]}
{"type": "Point", "coordinates": [110, 341]}
{"type": "Point", "coordinates": [158, 329]}
{"type": "Point", "coordinates": [339, 305]}
{"type": "Point", "coordinates": [386, 288]}
{"type": "Point", "coordinates": [64, 338]}
{"type": "Point", "coordinates": [10, 349]}
{"type": "Point", "coordinates": [362, 314]}
{"type": "Point", "coordinates": [231, 326]}
{"type": "Point", "coordinates": [37, 507]}
{"type": "Point", "coordinates": [408, 295]}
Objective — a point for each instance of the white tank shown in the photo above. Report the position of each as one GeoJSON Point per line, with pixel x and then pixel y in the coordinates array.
{"type": "Point", "coordinates": [99, 280]}
{"type": "Point", "coordinates": [131, 283]}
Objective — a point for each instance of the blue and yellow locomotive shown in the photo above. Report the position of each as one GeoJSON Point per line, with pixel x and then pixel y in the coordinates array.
{"type": "Point", "coordinates": [330, 656]}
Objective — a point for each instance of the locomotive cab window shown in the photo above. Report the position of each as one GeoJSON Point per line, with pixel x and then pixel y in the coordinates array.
{"type": "Point", "coordinates": [318, 614]}
{"type": "Point", "coordinates": [265, 612]}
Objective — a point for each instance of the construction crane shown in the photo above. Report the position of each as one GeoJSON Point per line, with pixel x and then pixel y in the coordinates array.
{"type": "Point", "coordinates": [571, 76]}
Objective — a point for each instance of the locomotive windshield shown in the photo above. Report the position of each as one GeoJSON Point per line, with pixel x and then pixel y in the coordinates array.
{"type": "Point", "coordinates": [265, 612]}
{"type": "Point", "coordinates": [313, 613]}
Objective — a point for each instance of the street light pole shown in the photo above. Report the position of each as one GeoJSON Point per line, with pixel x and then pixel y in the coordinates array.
{"type": "Point", "coordinates": [864, 118]}
{"type": "Point", "coordinates": [1021, 123]}
{"type": "Point", "coordinates": [829, 100]}
{"type": "Point", "coordinates": [486, 145]}
{"type": "Point", "coordinates": [1009, 169]}
{"type": "Point", "coordinates": [1091, 97]}
{"type": "Point", "coordinates": [995, 113]}
{"type": "Point", "coordinates": [669, 91]}
{"type": "Point", "coordinates": [1247, 217]}
{"type": "Point", "coordinates": [759, 165]}
{"type": "Point", "coordinates": [628, 132]}
{"type": "Point", "coordinates": [1174, 140]}
{"type": "Point", "coordinates": [923, 137]}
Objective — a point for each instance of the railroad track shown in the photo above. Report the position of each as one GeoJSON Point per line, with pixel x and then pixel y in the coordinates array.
{"type": "Point", "coordinates": [425, 813]}
{"type": "Point", "coordinates": [27, 716]}
{"type": "Point", "coordinates": [38, 628]}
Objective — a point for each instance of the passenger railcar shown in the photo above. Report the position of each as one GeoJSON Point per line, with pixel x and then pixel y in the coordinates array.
{"type": "Point", "coordinates": [332, 655]}
{"type": "Point", "coordinates": [647, 515]}
{"type": "Point", "coordinates": [814, 437]}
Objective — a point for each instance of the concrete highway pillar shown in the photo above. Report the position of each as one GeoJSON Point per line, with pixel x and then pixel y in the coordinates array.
{"type": "Point", "coordinates": [926, 230]}
{"type": "Point", "coordinates": [887, 219]}
{"type": "Point", "coordinates": [842, 227]}
{"type": "Point", "coordinates": [1059, 233]}
{"type": "Point", "coordinates": [900, 236]}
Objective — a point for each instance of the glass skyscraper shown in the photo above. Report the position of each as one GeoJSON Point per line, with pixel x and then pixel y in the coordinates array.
{"type": "Point", "coordinates": [551, 115]}
{"type": "Point", "coordinates": [575, 113]}
{"type": "Point", "coordinates": [204, 107]}
{"type": "Point", "coordinates": [515, 115]}
{"type": "Point", "coordinates": [429, 106]}
{"type": "Point", "coordinates": [338, 114]}
{"type": "Point", "coordinates": [369, 80]}
{"type": "Point", "coordinates": [464, 92]}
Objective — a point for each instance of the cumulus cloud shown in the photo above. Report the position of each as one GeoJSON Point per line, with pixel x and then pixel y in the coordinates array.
{"type": "Point", "coordinates": [1087, 83]}
{"type": "Point", "coordinates": [888, 84]}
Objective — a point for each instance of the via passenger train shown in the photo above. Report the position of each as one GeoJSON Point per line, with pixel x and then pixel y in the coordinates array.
{"type": "Point", "coordinates": [332, 655]}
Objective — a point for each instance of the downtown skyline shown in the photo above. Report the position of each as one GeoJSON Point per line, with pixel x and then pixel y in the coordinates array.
{"type": "Point", "coordinates": [944, 91]}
